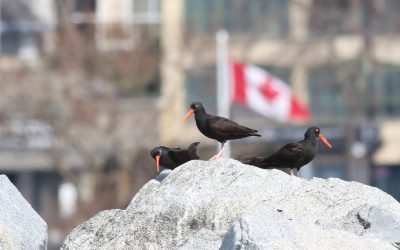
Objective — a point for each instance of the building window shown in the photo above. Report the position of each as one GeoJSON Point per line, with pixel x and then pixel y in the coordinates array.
{"type": "Point", "coordinates": [385, 88]}
{"type": "Point", "coordinates": [329, 170]}
{"type": "Point", "coordinates": [336, 17]}
{"type": "Point", "coordinates": [84, 12]}
{"type": "Point", "coordinates": [85, 5]}
{"type": "Point", "coordinates": [354, 16]}
{"type": "Point", "coordinates": [384, 16]}
{"type": "Point", "coordinates": [261, 18]}
{"type": "Point", "coordinates": [387, 179]}
{"type": "Point", "coordinates": [146, 11]}
{"type": "Point", "coordinates": [20, 31]}
{"type": "Point", "coordinates": [125, 26]}
{"type": "Point", "coordinates": [201, 86]}
{"type": "Point", "coordinates": [326, 91]}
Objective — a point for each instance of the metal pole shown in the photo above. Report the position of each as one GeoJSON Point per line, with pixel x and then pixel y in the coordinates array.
{"type": "Point", "coordinates": [223, 81]}
{"type": "Point", "coordinates": [1, 27]}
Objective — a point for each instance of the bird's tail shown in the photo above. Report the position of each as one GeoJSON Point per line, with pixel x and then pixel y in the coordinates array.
{"type": "Point", "coordinates": [192, 150]}
{"type": "Point", "coordinates": [260, 162]}
{"type": "Point", "coordinates": [247, 160]}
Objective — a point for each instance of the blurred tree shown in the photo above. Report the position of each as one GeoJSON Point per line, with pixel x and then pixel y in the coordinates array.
{"type": "Point", "coordinates": [133, 71]}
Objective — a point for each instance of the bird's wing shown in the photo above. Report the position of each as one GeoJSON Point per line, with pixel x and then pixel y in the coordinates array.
{"type": "Point", "coordinates": [289, 153]}
{"type": "Point", "coordinates": [179, 155]}
{"type": "Point", "coordinates": [226, 126]}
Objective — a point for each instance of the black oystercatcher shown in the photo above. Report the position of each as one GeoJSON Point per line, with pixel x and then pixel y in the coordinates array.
{"type": "Point", "coordinates": [218, 128]}
{"type": "Point", "coordinates": [173, 157]}
{"type": "Point", "coordinates": [292, 155]}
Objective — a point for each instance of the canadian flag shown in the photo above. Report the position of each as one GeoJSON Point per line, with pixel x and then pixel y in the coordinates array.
{"type": "Point", "coordinates": [266, 94]}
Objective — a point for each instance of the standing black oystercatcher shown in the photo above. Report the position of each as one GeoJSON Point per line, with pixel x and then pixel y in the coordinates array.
{"type": "Point", "coordinates": [293, 155]}
{"type": "Point", "coordinates": [218, 128]}
{"type": "Point", "coordinates": [173, 157]}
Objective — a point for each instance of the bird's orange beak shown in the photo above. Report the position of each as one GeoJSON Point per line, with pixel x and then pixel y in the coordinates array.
{"type": "Point", "coordinates": [158, 163]}
{"type": "Point", "coordinates": [324, 140]}
{"type": "Point", "coordinates": [189, 113]}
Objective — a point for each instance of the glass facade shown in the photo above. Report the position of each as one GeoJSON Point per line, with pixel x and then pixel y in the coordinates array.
{"type": "Point", "coordinates": [336, 16]}
{"type": "Point", "coordinates": [329, 86]}
{"type": "Point", "coordinates": [328, 171]}
{"type": "Point", "coordinates": [146, 7]}
{"type": "Point", "coordinates": [331, 17]}
{"type": "Point", "coordinates": [387, 179]}
{"type": "Point", "coordinates": [261, 18]}
{"type": "Point", "coordinates": [384, 86]}
{"type": "Point", "coordinates": [19, 28]}
{"type": "Point", "coordinates": [85, 5]}
{"type": "Point", "coordinates": [326, 92]}
{"type": "Point", "coordinates": [384, 16]}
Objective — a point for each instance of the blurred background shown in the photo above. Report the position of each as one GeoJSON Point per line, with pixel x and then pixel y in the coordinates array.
{"type": "Point", "coordinates": [89, 87]}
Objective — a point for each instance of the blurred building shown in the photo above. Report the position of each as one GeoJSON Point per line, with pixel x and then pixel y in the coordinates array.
{"type": "Point", "coordinates": [61, 125]}
{"type": "Point", "coordinates": [27, 27]}
{"type": "Point", "coordinates": [341, 57]}
{"type": "Point", "coordinates": [22, 28]}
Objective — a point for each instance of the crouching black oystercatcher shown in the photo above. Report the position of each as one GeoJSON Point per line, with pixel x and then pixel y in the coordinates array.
{"type": "Point", "coordinates": [293, 155]}
{"type": "Point", "coordinates": [173, 157]}
{"type": "Point", "coordinates": [218, 128]}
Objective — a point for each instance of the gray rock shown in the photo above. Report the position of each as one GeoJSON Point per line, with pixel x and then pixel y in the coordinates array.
{"type": "Point", "coordinates": [149, 187]}
{"type": "Point", "coordinates": [204, 240]}
{"type": "Point", "coordinates": [264, 228]}
{"type": "Point", "coordinates": [201, 196]}
{"type": "Point", "coordinates": [20, 226]}
{"type": "Point", "coordinates": [370, 221]}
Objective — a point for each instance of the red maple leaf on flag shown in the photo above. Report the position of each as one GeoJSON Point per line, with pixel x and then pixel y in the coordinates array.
{"type": "Point", "coordinates": [268, 90]}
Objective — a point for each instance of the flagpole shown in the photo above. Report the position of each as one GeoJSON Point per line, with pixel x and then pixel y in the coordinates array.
{"type": "Point", "coordinates": [223, 82]}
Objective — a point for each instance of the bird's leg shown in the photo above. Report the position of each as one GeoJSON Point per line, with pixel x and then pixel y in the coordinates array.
{"type": "Point", "coordinates": [292, 172]}
{"type": "Point", "coordinates": [223, 144]}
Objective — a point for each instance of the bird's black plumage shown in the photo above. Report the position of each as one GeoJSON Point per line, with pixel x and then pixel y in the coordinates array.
{"type": "Point", "coordinates": [173, 157]}
{"type": "Point", "coordinates": [216, 127]}
{"type": "Point", "coordinates": [293, 155]}
{"type": "Point", "coordinates": [259, 162]}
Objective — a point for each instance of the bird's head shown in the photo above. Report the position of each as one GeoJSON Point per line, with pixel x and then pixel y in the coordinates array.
{"type": "Point", "coordinates": [194, 108]}
{"type": "Point", "coordinates": [316, 132]}
{"type": "Point", "coordinates": [156, 154]}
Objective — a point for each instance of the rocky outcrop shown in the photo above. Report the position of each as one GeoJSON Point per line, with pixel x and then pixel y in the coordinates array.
{"type": "Point", "coordinates": [225, 204]}
{"type": "Point", "coordinates": [20, 226]}
{"type": "Point", "coordinates": [264, 228]}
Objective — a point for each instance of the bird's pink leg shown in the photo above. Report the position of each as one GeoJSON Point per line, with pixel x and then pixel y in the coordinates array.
{"type": "Point", "coordinates": [220, 152]}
